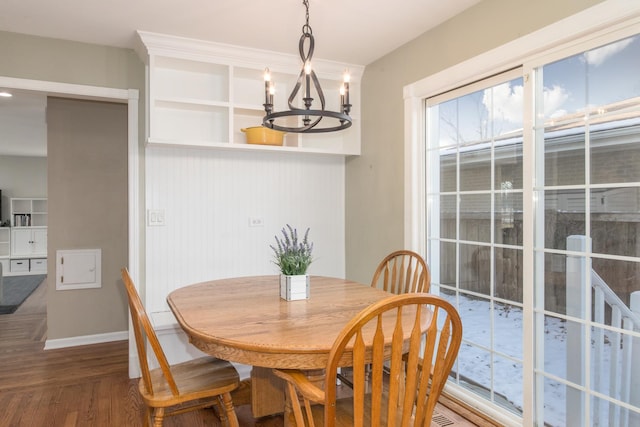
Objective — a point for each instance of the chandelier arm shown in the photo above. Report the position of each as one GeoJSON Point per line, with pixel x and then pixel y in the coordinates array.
{"type": "Point", "coordinates": [344, 119]}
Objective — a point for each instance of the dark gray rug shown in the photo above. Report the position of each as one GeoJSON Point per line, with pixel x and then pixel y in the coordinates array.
{"type": "Point", "coordinates": [16, 289]}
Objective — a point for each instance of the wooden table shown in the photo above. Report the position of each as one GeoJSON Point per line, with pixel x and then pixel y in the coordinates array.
{"type": "Point", "coordinates": [244, 320]}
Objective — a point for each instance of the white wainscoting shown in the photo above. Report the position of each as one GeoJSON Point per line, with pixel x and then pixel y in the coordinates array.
{"type": "Point", "coordinates": [207, 198]}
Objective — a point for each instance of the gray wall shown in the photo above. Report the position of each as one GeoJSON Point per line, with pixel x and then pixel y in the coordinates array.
{"type": "Point", "coordinates": [87, 151]}
{"type": "Point", "coordinates": [21, 177]}
{"type": "Point", "coordinates": [45, 59]}
{"type": "Point", "coordinates": [375, 180]}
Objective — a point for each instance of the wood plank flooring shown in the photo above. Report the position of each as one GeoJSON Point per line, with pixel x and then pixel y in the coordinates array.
{"type": "Point", "coordinates": [83, 386]}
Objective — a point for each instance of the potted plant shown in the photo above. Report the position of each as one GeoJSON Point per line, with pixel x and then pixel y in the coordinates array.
{"type": "Point", "coordinates": [293, 258]}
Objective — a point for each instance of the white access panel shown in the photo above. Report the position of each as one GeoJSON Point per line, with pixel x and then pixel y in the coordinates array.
{"type": "Point", "coordinates": [78, 269]}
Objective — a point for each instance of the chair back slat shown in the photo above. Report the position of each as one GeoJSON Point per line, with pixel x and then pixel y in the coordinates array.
{"type": "Point", "coordinates": [402, 272]}
{"type": "Point", "coordinates": [423, 335]}
{"type": "Point", "coordinates": [144, 333]}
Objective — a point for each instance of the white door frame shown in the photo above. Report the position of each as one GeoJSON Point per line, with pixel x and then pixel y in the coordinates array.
{"type": "Point", "coordinates": [131, 98]}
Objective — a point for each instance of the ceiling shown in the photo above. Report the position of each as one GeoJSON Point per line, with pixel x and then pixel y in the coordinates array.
{"type": "Point", "coordinates": [352, 31]}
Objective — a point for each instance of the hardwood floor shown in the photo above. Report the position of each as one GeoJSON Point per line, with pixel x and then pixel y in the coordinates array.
{"type": "Point", "coordinates": [83, 386]}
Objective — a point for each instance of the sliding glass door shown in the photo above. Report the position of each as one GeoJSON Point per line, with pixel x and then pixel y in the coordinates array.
{"type": "Point", "coordinates": [575, 217]}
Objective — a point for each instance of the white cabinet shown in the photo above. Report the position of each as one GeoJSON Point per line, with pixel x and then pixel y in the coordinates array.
{"type": "Point", "coordinates": [202, 93]}
{"type": "Point", "coordinates": [28, 242]}
{"type": "Point", "coordinates": [28, 235]}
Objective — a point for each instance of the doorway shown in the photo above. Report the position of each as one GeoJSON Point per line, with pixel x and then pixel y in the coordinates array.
{"type": "Point", "coordinates": [128, 103]}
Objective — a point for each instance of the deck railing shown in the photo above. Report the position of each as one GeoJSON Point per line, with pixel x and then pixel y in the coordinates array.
{"type": "Point", "coordinates": [613, 353]}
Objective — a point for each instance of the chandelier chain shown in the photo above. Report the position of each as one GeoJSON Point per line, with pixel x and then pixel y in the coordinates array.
{"type": "Point", "coordinates": [306, 4]}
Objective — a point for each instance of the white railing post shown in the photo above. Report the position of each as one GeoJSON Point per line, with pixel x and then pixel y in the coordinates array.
{"type": "Point", "coordinates": [576, 292]}
{"type": "Point", "coordinates": [634, 395]}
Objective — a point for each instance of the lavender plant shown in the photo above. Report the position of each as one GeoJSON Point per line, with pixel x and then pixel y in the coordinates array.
{"type": "Point", "coordinates": [291, 256]}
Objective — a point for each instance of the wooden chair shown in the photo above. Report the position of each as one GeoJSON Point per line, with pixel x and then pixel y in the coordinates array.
{"type": "Point", "coordinates": [402, 272]}
{"type": "Point", "coordinates": [419, 365]}
{"type": "Point", "coordinates": [172, 390]}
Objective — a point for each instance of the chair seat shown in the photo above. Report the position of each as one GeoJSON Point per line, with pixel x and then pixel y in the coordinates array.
{"type": "Point", "coordinates": [200, 378]}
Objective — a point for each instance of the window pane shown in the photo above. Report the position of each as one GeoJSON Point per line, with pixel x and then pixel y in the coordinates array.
{"type": "Point", "coordinates": [447, 129]}
{"type": "Point", "coordinates": [508, 274]}
{"type": "Point", "coordinates": [448, 216]}
{"type": "Point", "coordinates": [556, 346]}
{"type": "Point", "coordinates": [504, 103]}
{"type": "Point", "coordinates": [615, 225]}
{"type": "Point", "coordinates": [555, 411]}
{"type": "Point", "coordinates": [475, 268]}
{"type": "Point", "coordinates": [476, 317]}
{"type": "Point", "coordinates": [448, 170]}
{"type": "Point", "coordinates": [564, 216]}
{"type": "Point", "coordinates": [475, 214]}
{"type": "Point", "coordinates": [508, 218]}
{"type": "Point", "coordinates": [473, 121]}
{"type": "Point", "coordinates": [448, 264]}
{"type": "Point", "coordinates": [507, 334]}
{"type": "Point", "coordinates": [615, 154]}
{"type": "Point", "coordinates": [508, 384]}
{"type": "Point", "coordinates": [474, 369]}
{"type": "Point", "coordinates": [508, 163]}
{"type": "Point", "coordinates": [555, 286]}
{"type": "Point", "coordinates": [614, 277]}
{"type": "Point", "coordinates": [564, 84]}
{"type": "Point", "coordinates": [564, 157]}
{"type": "Point", "coordinates": [612, 371]}
{"type": "Point", "coordinates": [475, 168]}
{"type": "Point", "coordinates": [613, 72]}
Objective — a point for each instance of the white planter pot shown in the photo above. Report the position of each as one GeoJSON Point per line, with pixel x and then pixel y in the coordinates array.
{"type": "Point", "coordinates": [294, 287]}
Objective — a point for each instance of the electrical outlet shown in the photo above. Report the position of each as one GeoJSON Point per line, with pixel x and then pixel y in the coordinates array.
{"type": "Point", "coordinates": [256, 221]}
{"type": "Point", "coordinates": [155, 217]}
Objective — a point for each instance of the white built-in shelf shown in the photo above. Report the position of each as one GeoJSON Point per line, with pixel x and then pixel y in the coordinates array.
{"type": "Point", "coordinates": [29, 212]}
{"type": "Point", "coordinates": [5, 242]}
{"type": "Point", "coordinates": [202, 94]}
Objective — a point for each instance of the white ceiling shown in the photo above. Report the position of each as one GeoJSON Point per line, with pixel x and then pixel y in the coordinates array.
{"type": "Point", "coordinates": [353, 31]}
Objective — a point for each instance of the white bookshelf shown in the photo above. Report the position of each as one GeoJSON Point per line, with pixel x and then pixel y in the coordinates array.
{"type": "Point", "coordinates": [202, 94]}
{"type": "Point", "coordinates": [27, 243]}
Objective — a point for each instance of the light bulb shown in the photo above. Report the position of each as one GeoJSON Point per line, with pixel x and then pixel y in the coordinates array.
{"type": "Point", "coordinates": [347, 76]}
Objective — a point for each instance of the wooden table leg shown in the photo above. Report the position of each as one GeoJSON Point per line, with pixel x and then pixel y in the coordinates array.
{"type": "Point", "coordinates": [267, 392]}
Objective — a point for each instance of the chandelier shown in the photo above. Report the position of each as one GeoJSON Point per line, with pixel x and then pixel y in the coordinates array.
{"type": "Point", "coordinates": [309, 119]}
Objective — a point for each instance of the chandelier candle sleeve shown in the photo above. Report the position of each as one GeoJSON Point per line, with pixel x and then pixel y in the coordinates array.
{"type": "Point", "coordinates": [267, 84]}
{"type": "Point", "coordinates": [346, 107]}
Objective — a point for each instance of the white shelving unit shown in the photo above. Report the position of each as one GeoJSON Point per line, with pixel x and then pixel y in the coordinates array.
{"type": "Point", "coordinates": [5, 248]}
{"type": "Point", "coordinates": [28, 240]}
{"type": "Point", "coordinates": [201, 94]}
{"type": "Point", "coordinates": [27, 212]}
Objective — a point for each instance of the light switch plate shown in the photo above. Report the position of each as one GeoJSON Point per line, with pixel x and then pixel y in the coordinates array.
{"type": "Point", "coordinates": [155, 217]}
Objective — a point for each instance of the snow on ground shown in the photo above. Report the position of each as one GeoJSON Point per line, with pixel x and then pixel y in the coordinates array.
{"type": "Point", "coordinates": [481, 366]}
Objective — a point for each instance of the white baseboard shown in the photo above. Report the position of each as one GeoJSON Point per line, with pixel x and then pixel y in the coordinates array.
{"type": "Point", "coordinates": [86, 340]}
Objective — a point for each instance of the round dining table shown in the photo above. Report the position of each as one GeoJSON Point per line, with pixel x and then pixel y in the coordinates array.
{"type": "Point", "coordinates": [244, 319]}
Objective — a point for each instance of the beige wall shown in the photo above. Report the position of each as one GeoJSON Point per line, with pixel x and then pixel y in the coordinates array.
{"type": "Point", "coordinates": [375, 180]}
{"type": "Point", "coordinates": [38, 58]}
{"type": "Point", "coordinates": [87, 151]}
{"type": "Point", "coordinates": [21, 177]}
